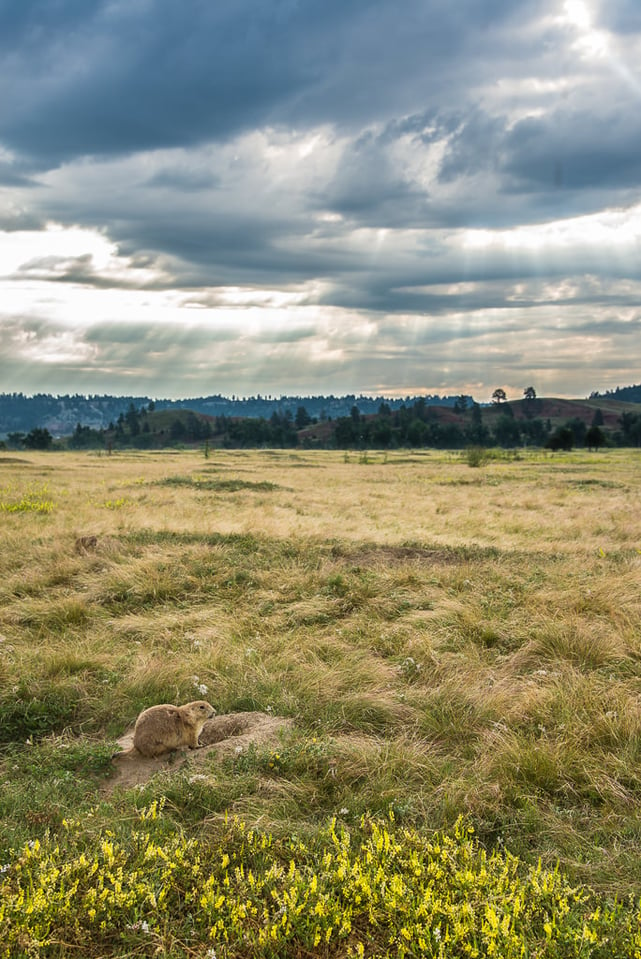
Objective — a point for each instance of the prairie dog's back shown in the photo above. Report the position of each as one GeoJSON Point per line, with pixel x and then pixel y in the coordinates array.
{"type": "Point", "coordinates": [163, 728]}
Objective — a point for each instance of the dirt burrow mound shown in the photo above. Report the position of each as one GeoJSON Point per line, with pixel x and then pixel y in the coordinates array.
{"type": "Point", "coordinates": [222, 736]}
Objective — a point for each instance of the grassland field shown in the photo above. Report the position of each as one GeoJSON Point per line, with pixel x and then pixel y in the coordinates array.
{"type": "Point", "coordinates": [450, 642]}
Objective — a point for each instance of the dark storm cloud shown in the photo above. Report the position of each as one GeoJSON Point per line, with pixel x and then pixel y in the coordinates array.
{"type": "Point", "coordinates": [611, 325]}
{"type": "Point", "coordinates": [183, 179]}
{"type": "Point", "coordinates": [13, 219]}
{"type": "Point", "coordinates": [474, 147]}
{"type": "Point", "coordinates": [590, 148]}
{"type": "Point", "coordinates": [10, 177]}
{"type": "Point", "coordinates": [32, 24]}
{"type": "Point", "coordinates": [596, 149]}
{"type": "Point", "coordinates": [331, 156]}
{"type": "Point", "coordinates": [102, 78]}
{"type": "Point", "coordinates": [118, 77]}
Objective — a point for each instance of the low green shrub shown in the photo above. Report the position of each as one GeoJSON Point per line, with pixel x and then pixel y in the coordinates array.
{"type": "Point", "coordinates": [476, 456]}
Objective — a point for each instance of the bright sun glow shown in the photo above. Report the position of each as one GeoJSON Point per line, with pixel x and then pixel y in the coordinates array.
{"type": "Point", "coordinates": [577, 12]}
{"type": "Point", "coordinates": [23, 247]}
{"type": "Point", "coordinates": [612, 229]}
{"type": "Point", "coordinates": [56, 252]}
{"type": "Point", "coordinates": [590, 42]}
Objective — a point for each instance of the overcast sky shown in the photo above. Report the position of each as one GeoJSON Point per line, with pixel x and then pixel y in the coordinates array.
{"type": "Point", "coordinates": [320, 196]}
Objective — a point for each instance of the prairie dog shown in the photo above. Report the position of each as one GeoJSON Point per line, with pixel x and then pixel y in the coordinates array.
{"type": "Point", "coordinates": [160, 729]}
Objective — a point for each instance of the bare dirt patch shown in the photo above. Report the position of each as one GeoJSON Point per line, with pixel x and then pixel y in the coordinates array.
{"type": "Point", "coordinates": [221, 736]}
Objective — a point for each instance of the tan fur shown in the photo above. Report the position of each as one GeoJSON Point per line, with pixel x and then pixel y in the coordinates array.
{"type": "Point", "coordinates": [160, 729]}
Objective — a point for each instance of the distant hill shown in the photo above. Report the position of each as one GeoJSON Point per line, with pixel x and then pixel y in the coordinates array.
{"type": "Point", "coordinates": [509, 424]}
{"type": "Point", "coordinates": [558, 411]}
{"type": "Point", "coordinates": [348, 422]}
{"type": "Point", "coordinates": [628, 394]}
{"type": "Point", "coordinates": [61, 414]}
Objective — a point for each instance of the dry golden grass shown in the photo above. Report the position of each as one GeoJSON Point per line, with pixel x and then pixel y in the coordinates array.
{"type": "Point", "coordinates": [448, 639]}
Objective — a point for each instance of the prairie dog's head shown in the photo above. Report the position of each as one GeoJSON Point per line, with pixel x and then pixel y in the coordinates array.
{"type": "Point", "coordinates": [199, 710]}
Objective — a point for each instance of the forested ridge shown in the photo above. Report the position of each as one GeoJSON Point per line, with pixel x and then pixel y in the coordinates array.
{"type": "Point", "coordinates": [557, 424]}
{"type": "Point", "coordinates": [60, 414]}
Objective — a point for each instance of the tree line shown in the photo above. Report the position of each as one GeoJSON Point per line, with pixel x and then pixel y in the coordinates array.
{"type": "Point", "coordinates": [20, 413]}
{"type": "Point", "coordinates": [416, 425]}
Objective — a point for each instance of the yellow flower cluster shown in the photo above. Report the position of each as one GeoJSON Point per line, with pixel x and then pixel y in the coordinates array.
{"type": "Point", "coordinates": [34, 500]}
{"type": "Point", "coordinates": [379, 891]}
{"type": "Point", "coordinates": [119, 503]}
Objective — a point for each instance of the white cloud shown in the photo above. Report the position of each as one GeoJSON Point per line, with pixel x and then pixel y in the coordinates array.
{"type": "Point", "coordinates": [341, 198]}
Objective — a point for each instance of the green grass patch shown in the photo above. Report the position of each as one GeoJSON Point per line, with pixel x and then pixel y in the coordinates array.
{"type": "Point", "coordinates": [50, 779]}
{"type": "Point", "coordinates": [54, 615]}
{"type": "Point", "coordinates": [219, 485]}
{"type": "Point", "coordinates": [29, 711]}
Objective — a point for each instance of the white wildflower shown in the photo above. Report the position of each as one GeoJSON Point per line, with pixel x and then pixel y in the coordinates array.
{"type": "Point", "coordinates": [409, 666]}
